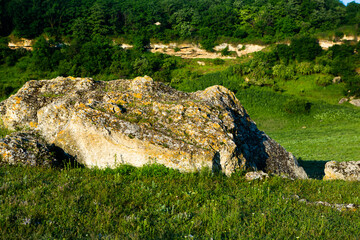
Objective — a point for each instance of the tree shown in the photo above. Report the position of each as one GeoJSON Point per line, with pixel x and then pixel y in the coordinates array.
{"type": "Point", "coordinates": [305, 48]}
{"type": "Point", "coordinates": [97, 20]}
{"type": "Point", "coordinates": [284, 53]}
{"type": "Point", "coordinates": [42, 53]}
{"type": "Point", "coordinates": [141, 42]}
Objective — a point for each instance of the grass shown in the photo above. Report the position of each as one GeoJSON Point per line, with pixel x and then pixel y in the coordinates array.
{"type": "Point", "coordinates": [154, 202]}
{"type": "Point", "coordinates": [209, 67]}
{"type": "Point", "coordinates": [305, 87]}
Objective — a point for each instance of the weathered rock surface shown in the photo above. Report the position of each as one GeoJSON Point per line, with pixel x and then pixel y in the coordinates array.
{"type": "Point", "coordinates": [258, 175]}
{"type": "Point", "coordinates": [140, 121]}
{"type": "Point", "coordinates": [343, 100]}
{"type": "Point", "coordinates": [348, 171]}
{"type": "Point", "coordinates": [26, 148]}
{"type": "Point", "coordinates": [355, 102]}
{"type": "Point", "coordinates": [337, 80]}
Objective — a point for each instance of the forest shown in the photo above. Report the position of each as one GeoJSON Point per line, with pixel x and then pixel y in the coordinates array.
{"type": "Point", "coordinates": [168, 20]}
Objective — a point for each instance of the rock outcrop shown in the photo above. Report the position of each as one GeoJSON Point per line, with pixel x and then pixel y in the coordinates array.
{"type": "Point", "coordinates": [27, 148]}
{"type": "Point", "coordinates": [355, 102]}
{"type": "Point", "coordinates": [348, 171]}
{"type": "Point", "coordinates": [140, 121]}
{"type": "Point", "coordinates": [259, 175]}
{"type": "Point", "coordinates": [343, 100]}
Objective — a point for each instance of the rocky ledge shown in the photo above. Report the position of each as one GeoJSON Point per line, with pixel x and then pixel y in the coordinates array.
{"type": "Point", "coordinates": [141, 121]}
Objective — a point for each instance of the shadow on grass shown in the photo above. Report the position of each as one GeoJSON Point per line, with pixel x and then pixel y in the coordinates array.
{"type": "Point", "coordinates": [313, 168]}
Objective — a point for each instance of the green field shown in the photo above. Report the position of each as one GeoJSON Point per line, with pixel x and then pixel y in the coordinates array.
{"type": "Point", "coordinates": [154, 202]}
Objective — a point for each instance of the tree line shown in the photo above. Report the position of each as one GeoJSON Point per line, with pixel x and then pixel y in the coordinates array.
{"type": "Point", "coordinates": [166, 20]}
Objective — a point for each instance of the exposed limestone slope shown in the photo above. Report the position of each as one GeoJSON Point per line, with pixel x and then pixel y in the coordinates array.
{"type": "Point", "coordinates": [140, 121]}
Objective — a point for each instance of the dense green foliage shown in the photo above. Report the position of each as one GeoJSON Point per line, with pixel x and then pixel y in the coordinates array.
{"type": "Point", "coordinates": [204, 20]}
{"type": "Point", "coordinates": [154, 202]}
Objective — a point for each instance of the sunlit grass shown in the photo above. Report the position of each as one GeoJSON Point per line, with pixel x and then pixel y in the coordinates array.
{"type": "Point", "coordinates": [154, 202]}
{"type": "Point", "coordinates": [306, 87]}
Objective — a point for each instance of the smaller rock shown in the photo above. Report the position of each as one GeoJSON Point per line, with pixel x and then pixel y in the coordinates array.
{"type": "Point", "coordinates": [142, 84]}
{"type": "Point", "coordinates": [336, 79]}
{"type": "Point", "coordinates": [348, 171]}
{"type": "Point", "coordinates": [26, 148]}
{"type": "Point", "coordinates": [260, 175]}
{"type": "Point", "coordinates": [343, 100]}
{"type": "Point", "coordinates": [355, 102]}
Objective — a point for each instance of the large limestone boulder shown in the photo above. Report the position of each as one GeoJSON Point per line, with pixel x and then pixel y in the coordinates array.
{"type": "Point", "coordinates": [140, 121]}
{"type": "Point", "coordinates": [348, 171]}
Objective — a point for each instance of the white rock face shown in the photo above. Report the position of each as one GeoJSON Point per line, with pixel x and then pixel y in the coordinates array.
{"type": "Point", "coordinates": [348, 171]}
{"type": "Point", "coordinates": [355, 102]}
{"type": "Point", "coordinates": [259, 175]}
{"type": "Point", "coordinates": [343, 100]}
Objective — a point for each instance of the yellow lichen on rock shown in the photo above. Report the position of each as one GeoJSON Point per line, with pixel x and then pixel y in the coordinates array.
{"type": "Point", "coordinates": [137, 95]}
{"type": "Point", "coordinates": [17, 99]}
{"type": "Point", "coordinates": [33, 125]}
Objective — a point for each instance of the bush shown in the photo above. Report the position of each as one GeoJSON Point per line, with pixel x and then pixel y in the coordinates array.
{"type": "Point", "coordinates": [282, 71]}
{"type": "Point", "coordinates": [352, 86]}
{"type": "Point", "coordinates": [240, 33]}
{"type": "Point", "coordinates": [318, 68]}
{"type": "Point", "coordinates": [304, 68]}
{"type": "Point", "coordinates": [305, 48]}
{"type": "Point", "coordinates": [225, 52]}
{"type": "Point", "coordinates": [284, 53]}
{"type": "Point", "coordinates": [218, 61]}
{"type": "Point", "coordinates": [297, 106]}
{"type": "Point", "coordinates": [240, 69]}
{"type": "Point", "coordinates": [338, 35]}
{"type": "Point", "coordinates": [323, 81]}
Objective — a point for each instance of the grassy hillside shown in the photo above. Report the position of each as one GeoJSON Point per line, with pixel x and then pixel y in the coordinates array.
{"type": "Point", "coordinates": [153, 202]}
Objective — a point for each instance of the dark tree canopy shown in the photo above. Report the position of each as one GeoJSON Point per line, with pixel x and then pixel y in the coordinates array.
{"type": "Point", "coordinates": [180, 19]}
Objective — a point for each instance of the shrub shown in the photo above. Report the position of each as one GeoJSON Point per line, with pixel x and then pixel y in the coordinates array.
{"type": "Point", "coordinates": [282, 71]}
{"type": "Point", "coordinates": [284, 53]}
{"type": "Point", "coordinates": [297, 106]}
{"type": "Point", "coordinates": [338, 35]}
{"type": "Point", "coordinates": [225, 52]}
{"type": "Point", "coordinates": [240, 69]}
{"type": "Point", "coordinates": [323, 81]}
{"type": "Point", "coordinates": [352, 86]}
{"type": "Point", "coordinates": [240, 33]}
{"type": "Point", "coordinates": [218, 61]}
{"type": "Point", "coordinates": [318, 68]}
{"type": "Point", "coordinates": [304, 68]}
{"type": "Point", "coordinates": [305, 48]}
